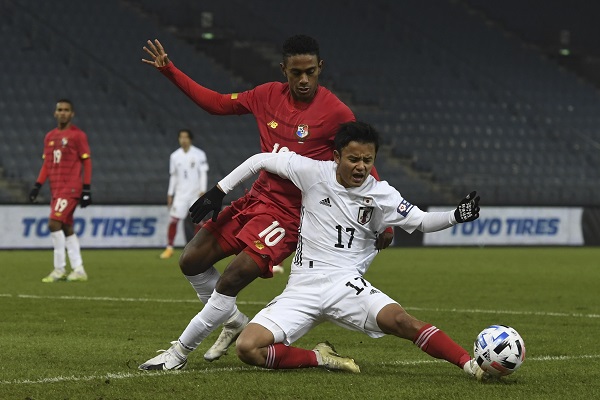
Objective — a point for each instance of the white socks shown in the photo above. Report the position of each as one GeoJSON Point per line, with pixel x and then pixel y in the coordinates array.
{"type": "Point", "coordinates": [217, 310]}
{"type": "Point", "coordinates": [204, 283]}
{"type": "Point", "coordinates": [58, 241]}
{"type": "Point", "coordinates": [74, 252]}
{"type": "Point", "coordinates": [71, 244]}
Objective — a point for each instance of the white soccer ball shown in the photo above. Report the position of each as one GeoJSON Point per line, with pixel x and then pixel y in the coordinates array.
{"type": "Point", "coordinates": [499, 350]}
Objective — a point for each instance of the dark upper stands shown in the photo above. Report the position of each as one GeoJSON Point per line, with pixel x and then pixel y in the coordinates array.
{"type": "Point", "coordinates": [90, 52]}
{"type": "Point", "coordinates": [465, 104]}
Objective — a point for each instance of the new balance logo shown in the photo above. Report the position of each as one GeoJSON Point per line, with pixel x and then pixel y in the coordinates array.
{"type": "Point", "coordinates": [325, 202]}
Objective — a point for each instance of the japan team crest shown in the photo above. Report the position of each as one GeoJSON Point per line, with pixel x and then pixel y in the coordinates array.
{"type": "Point", "coordinates": [365, 214]}
{"type": "Point", "coordinates": [302, 132]}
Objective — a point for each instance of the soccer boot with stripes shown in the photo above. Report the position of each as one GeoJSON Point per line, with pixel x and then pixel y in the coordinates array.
{"type": "Point", "coordinates": [332, 360]}
{"type": "Point", "coordinates": [169, 359]}
{"type": "Point", "coordinates": [228, 335]}
{"type": "Point", "coordinates": [55, 276]}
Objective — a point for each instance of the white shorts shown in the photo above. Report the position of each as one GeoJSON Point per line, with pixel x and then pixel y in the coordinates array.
{"type": "Point", "coordinates": [181, 206]}
{"type": "Point", "coordinates": [309, 299]}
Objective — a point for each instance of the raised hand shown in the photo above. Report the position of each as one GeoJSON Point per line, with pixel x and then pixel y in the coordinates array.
{"type": "Point", "coordinates": [157, 54]}
{"type": "Point", "coordinates": [468, 208]}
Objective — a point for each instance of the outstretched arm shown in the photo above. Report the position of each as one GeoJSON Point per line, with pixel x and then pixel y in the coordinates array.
{"type": "Point", "coordinates": [213, 199]}
{"type": "Point", "coordinates": [467, 210]}
{"type": "Point", "coordinates": [271, 162]}
{"type": "Point", "coordinates": [209, 100]}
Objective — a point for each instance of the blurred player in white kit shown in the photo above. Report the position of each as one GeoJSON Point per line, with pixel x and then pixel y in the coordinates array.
{"type": "Point", "coordinates": [188, 170]}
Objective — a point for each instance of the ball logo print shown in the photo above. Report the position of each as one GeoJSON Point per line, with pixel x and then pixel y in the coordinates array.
{"type": "Point", "coordinates": [302, 132]}
{"type": "Point", "coordinates": [499, 350]}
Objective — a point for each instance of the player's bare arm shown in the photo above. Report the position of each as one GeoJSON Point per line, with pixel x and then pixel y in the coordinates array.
{"type": "Point", "coordinates": [157, 54]}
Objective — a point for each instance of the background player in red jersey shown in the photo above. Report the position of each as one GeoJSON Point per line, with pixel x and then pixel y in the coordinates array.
{"type": "Point", "coordinates": [66, 151]}
{"type": "Point", "coordinates": [261, 228]}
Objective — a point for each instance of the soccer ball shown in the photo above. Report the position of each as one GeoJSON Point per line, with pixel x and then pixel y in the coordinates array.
{"type": "Point", "coordinates": [499, 350]}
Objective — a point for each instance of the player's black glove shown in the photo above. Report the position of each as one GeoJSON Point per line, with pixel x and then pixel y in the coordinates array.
{"type": "Point", "coordinates": [86, 196]}
{"type": "Point", "coordinates": [33, 194]}
{"type": "Point", "coordinates": [468, 208]}
{"type": "Point", "coordinates": [209, 201]}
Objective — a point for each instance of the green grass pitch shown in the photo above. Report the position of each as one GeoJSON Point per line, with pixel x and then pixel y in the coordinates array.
{"type": "Point", "coordinates": [85, 340]}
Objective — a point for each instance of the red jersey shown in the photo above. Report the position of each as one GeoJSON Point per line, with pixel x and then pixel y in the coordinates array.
{"type": "Point", "coordinates": [64, 151]}
{"type": "Point", "coordinates": [286, 125]}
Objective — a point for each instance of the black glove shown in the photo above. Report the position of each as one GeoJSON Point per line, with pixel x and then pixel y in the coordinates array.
{"type": "Point", "coordinates": [33, 194]}
{"type": "Point", "coordinates": [86, 196]}
{"type": "Point", "coordinates": [468, 208]}
{"type": "Point", "coordinates": [209, 201]}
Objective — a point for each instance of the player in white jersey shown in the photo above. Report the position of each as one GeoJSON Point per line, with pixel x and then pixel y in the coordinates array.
{"type": "Point", "coordinates": [188, 169]}
{"type": "Point", "coordinates": [343, 211]}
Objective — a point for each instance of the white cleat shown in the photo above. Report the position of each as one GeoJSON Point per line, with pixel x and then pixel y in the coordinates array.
{"type": "Point", "coordinates": [77, 276]}
{"type": "Point", "coordinates": [333, 361]}
{"type": "Point", "coordinates": [55, 276]}
{"type": "Point", "coordinates": [167, 360]}
{"type": "Point", "coordinates": [225, 339]}
{"type": "Point", "coordinates": [473, 369]}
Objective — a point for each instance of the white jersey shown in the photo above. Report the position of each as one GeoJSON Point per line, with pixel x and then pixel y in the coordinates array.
{"type": "Point", "coordinates": [188, 173]}
{"type": "Point", "coordinates": [339, 226]}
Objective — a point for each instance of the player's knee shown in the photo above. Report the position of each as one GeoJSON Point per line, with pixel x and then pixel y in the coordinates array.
{"type": "Point", "coordinates": [248, 352]}
{"type": "Point", "coordinates": [186, 261]}
{"type": "Point", "coordinates": [192, 262]}
{"type": "Point", "coordinates": [54, 226]}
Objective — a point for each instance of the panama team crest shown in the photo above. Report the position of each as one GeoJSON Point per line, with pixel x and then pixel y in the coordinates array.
{"type": "Point", "coordinates": [302, 132]}
{"type": "Point", "coordinates": [64, 142]}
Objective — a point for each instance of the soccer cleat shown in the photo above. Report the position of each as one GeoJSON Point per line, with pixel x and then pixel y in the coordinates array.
{"type": "Point", "coordinates": [333, 361]}
{"type": "Point", "coordinates": [77, 276]}
{"type": "Point", "coordinates": [167, 360]}
{"type": "Point", "coordinates": [473, 369]}
{"type": "Point", "coordinates": [225, 339]}
{"type": "Point", "coordinates": [55, 276]}
{"type": "Point", "coordinates": [168, 253]}
{"type": "Point", "coordinates": [278, 269]}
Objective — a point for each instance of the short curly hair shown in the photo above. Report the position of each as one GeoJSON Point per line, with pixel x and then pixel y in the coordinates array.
{"type": "Point", "coordinates": [300, 44]}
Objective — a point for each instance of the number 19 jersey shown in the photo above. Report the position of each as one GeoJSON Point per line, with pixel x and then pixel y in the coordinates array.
{"type": "Point", "coordinates": [64, 151]}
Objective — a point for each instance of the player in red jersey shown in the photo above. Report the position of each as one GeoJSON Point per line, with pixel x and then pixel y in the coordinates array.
{"type": "Point", "coordinates": [66, 152]}
{"type": "Point", "coordinates": [261, 228]}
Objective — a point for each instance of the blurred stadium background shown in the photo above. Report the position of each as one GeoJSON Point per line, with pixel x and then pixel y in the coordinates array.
{"type": "Point", "coordinates": [497, 96]}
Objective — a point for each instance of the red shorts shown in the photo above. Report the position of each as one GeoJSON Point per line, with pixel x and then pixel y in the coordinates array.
{"type": "Point", "coordinates": [63, 208]}
{"type": "Point", "coordinates": [261, 230]}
